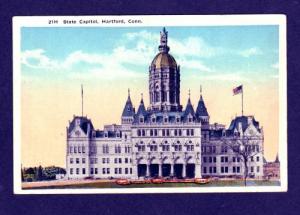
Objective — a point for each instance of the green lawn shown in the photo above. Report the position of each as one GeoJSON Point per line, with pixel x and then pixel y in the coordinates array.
{"type": "Point", "coordinates": [211, 184]}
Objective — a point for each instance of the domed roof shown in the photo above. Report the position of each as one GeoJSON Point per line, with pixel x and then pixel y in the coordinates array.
{"type": "Point", "coordinates": [163, 59]}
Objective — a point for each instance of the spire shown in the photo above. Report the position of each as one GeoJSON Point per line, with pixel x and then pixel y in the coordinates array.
{"type": "Point", "coordinates": [277, 159]}
{"type": "Point", "coordinates": [141, 109]}
{"type": "Point", "coordinates": [189, 107]}
{"type": "Point", "coordinates": [163, 47]}
{"type": "Point", "coordinates": [128, 108]}
{"type": "Point", "coordinates": [201, 108]}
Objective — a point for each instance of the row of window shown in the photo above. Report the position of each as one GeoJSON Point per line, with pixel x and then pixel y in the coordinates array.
{"type": "Point", "coordinates": [225, 169]}
{"type": "Point", "coordinates": [224, 149]}
{"type": "Point", "coordinates": [104, 160]}
{"type": "Point", "coordinates": [105, 149]}
{"type": "Point", "coordinates": [224, 159]}
{"type": "Point", "coordinates": [77, 149]}
{"type": "Point", "coordinates": [165, 148]}
{"type": "Point", "coordinates": [164, 132]}
{"type": "Point", "coordinates": [104, 171]}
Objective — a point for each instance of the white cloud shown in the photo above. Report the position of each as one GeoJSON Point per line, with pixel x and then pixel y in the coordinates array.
{"type": "Point", "coordinates": [194, 65]}
{"type": "Point", "coordinates": [233, 77]}
{"type": "Point", "coordinates": [37, 59]}
{"type": "Point", "coordinates": [250, 52]}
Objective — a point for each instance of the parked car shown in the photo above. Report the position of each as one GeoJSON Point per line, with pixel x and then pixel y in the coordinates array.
{"type": "Point", "coordinates": [201, 180]}
{"type": "Point", "coordinates": [123, 181]}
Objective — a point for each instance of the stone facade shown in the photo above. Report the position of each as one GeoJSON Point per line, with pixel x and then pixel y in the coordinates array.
{"type": "Point", "coordinates": [163, 140]}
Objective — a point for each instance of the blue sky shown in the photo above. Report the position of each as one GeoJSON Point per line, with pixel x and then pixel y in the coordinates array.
{"type": "Point", "coordinates": [215, 52]}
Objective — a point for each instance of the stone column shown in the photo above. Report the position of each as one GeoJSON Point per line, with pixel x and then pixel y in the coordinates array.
{"type": "Point", "coordinates": [160, 170]}
{"type": "Point", "coordinates": [172, 169]}
{"type": "Point", "coordinates": [197, 170]}
{"type": "Point", "coordinates": [148, 170]}
{"type": "Point", "coordinates": [184, 170]}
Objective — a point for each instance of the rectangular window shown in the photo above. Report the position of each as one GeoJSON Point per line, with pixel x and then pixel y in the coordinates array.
{"type": "Point", "coordinates": [257, 158]}
{"type": "Point", "coordinates": [71, 160]}
{"type": "Point", "coordinates": [192, 132]}
{"type": "Point", "coordinates": [83, 160]}
{"type": "Point", "coordinates": [155, 132]}
{"type": "Point", "coordinates": [126, 170]}
{"type": "Point", "coordinates": [210, 159]}
{"type": "Point", "coordinates": [120, 170]}
{"type": "Point", "coordinates": [175, 132]}
{"type": "Point", "coordinates": [187, 132]}
{"type": "Point", "coordinates": [257, 169]}
{"type": "Point", "coordinates": [103, 160]}
{"type": "Point", "coordinates": [226, 169]}
{"type": "Point", "coordinates": [222, 159]}
{"type": "Point", "coordinates": [252, 169]}
{"type": "Point", "coordinates": [215, 169]}
{"type": "Point", "coordinates": [103, 171]}
{"type": "Point", "coordinates": [107, 160]}
{"type": "Point", "coordinates": [96, 170]}
{"type": "Point", "coordinates": [77, 171]}
{"type": "Point", "coordinates": [204, 169]}
{"type": "Point", "coordinates": [222, 169]}
{"type": "Point", "coordinates": [71, 149]}
{"type": "Point", "coordinates": [83, 171]}
{"type": "Point", "coordinates": [163, 132]}
{"type": "Point", "coordinates": [233, 159]}
{"type": "Point", "coordinates": [233, 169]}
{"type": "Point", "coordinates": [79, 149]}
{"type": "Point", "coordinates": [92, 170]}
{"type": "Point", "coordinates": [130, 170]}
{"type": "Point", "coordinates": [120, 160]}
{"type": "Point", "coordinates": [107, 170]}
{"type": "Point", "coordinates": [83, 149]}
{"type": "Point", "coordinates": [215, 160]}
{"type": "Point", "coordinates": [204, 159]}
{"type": "Point", "coordinates": [252, 159]}
{"type": "Point", "coordinates": [168, 132]}
{"type": "Point", "coordinates": [71, 171]}
{"type": "Point", "coordinates": [210, 169]}
{"type": "Point", "coordinates": [126, 160]}
{"type": "Point", "coordinates": [77, 160]}
{"type": "Point", "coordinates": [238, 169]}
{"type": "Point", "coordinates": [226, 159]}
{"type": "Point", "coordinates": [75, 149]}
{"type": "Point", "coordinates": [116, 170]}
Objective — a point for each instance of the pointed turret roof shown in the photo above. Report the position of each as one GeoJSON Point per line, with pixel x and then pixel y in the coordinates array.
{"type": "Point", "coordinates": [189, 108]}
{"type": "Point", "coordinates": [128, 109]}
{"type": "Point", "coordinates": [141, 109]}
{"type": "Point", "coordinates": [201, 108]}
{"type": "Point", "coordinates": [277, 159]}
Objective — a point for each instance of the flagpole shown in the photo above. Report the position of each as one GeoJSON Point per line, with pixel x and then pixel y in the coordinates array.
{"type": "Point", "coordinates": [81, 100]}
{"type": "Point", "coordinates": [242, 101]}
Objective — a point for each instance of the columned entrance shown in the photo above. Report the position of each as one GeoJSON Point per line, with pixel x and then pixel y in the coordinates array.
{"type": "Point", "coordinates": [154, 170]}
{"type": "Point", "coordinates": [178, 170]}
{"type": "Point", "coordinates": [190, 170]}
{"type": "Point", "coordinates": [142, 169]}
{"type": "Point", "coordinates": [166, 170]}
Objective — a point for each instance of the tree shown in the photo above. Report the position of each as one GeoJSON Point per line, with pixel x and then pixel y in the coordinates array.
{"type": "Point", "coordinates": [244, 147]}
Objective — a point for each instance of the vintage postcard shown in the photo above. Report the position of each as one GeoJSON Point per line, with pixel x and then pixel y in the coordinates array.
{"type": "Point", "coordinates": [150, 104]}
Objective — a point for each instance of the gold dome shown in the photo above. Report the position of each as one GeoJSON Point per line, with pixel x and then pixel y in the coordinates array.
{"type": "Point", "coordinates": [163, 60]}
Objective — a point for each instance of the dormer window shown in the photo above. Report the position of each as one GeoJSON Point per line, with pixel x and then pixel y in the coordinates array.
{"type": "Point", "coordinates": [141, 119]}
{"type": "Point", "coordinates": [153, 119]}
{"type": "Point", "coordinates": [166, 119]}
{"type": "Point", "coordinates": [77, 121]}
{"type": "Point", "coordinates": [190, 118]}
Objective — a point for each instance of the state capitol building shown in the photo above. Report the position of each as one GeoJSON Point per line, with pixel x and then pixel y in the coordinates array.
{"type": "Point", "coordinates": [163, 139]}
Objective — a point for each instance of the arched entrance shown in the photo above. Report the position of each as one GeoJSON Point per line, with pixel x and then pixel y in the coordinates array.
{"type": "Point", "coordinates": [166, 170]}
{"type": "Point", "coordinates": [142, 169]}
{"type": "Point", "coordinates": [153, 170]}
{"type": "Point", "coordinates": [178, 170]}
{"type": "Point", "coordinates": [190, 170]}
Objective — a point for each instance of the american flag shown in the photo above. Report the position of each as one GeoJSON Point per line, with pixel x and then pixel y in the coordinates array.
{"type": "Point", "coordinates": [238, 90]}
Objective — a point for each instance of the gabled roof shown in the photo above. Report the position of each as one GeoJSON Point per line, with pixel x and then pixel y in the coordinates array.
{"type": "Point", "coordinates": [201, 109]}
{"type": "Point", "coordinates": [244, 121]}
{"type": "Point", "coordinates": [128, 108]}
{"type": "Point", "coordinates": [84, 122]}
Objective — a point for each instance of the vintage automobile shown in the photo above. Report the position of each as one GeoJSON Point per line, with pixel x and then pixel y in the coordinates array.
{"type": "Point", "coordinates": [201, 180]}
{"type": "Point", "coordinates": [122, 182]}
